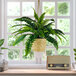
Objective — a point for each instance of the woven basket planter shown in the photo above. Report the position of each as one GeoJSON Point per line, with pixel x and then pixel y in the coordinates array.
{"type": "Point", "coordinates": [39, 45]}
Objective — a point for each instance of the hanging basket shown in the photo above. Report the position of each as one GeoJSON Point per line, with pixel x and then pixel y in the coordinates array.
{"type": "Point", "coordinates": [39, 45]}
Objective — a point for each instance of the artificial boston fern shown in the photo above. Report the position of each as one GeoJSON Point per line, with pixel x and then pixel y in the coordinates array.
{"type": "Point", "coordinates": [38, 28]}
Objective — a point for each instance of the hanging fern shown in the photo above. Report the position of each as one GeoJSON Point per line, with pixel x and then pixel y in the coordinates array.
{"type": "Point", "coordinates": [38, 28]}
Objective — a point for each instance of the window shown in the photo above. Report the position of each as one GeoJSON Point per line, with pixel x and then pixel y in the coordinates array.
{"type": "Point", "coordinates": [60, 10]}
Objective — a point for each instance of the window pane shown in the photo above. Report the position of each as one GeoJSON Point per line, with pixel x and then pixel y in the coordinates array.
{"type": "Point", "coordinates": [50, 52]}
{"type": "Point", "coordinates": [49, 8]}
{"type": "Point", "coordinates": [27, 8]}
{"type": "Point", "coordinates": [29, 57]}
{"type": "Point", "coordinates": [13, 54]}
{"type": "Point", "coordinates": [65, 52]}
{"type": "Point", "coordinates": [11, 22]}
{"type": "Point", "coordinates": [63, 8]}
{"type": "Point", "coordinates": [64, 25]}
{"type": "Point", "coordinates": [11, 39]}
{"type": "Point", "coordinates": [64, 42]}
{"type": "Point", "coordinates": [13, 8]}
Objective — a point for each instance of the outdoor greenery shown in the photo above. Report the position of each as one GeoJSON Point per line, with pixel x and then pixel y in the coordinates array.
{"type": "Point", "coordinates": [13, 54]}
{"type": "Point", "coordinates": [1, 47]}
{"type": "Point", "coordinates": [75, 53]}
{"type": "Point", "coordinates": [38, 28]}
{"type": "Point", "coordinates": [63, 8]}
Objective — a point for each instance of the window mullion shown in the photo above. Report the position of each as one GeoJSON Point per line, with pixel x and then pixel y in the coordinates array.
{"type": "Point", "coordinates": [56, 53]}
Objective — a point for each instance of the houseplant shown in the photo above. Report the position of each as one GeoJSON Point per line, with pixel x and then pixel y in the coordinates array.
{"type": "Point", "coordinates": [74, 64]}
{"type": "Point", "coordinates": [39, 30]}
{"type": "Point", "coordinates": [3, 62]}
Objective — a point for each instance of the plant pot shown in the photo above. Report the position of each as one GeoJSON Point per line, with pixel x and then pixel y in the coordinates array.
{"type": "Point", "coordinates": [39, 45]}
{"type": "Point", "coordinates": [74, 65]}
{"type": "Point", "coordinates": [38, 57]}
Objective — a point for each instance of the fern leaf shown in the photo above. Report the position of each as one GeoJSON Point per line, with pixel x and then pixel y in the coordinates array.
{"type": "Point", "coordinates": [52, 40]}
{"type": "Point", "coordinates": [2, 48]}
{"type": "Point", "coordinates": [19, 39]}
{"type": "Point", "coordinates": [1, 42]}
{"type": "Point", "coordinates": [41, 18]}
{"type": "Point", "coordinates": [29, 44]}
{"type": "Point", "coordinates": [35, 15]}
{"type": "Point", "coordinates": [45, 21]}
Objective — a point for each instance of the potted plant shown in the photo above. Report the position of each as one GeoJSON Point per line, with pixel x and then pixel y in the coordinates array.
{"type": "Point", "coordinates": [3, 62]}
{"type": "Point", "coordinates": [1, 48]}
{"type": "Point", "coordinates": [74, 64]}
{"type": "Point", "coordinates": [39, 30]}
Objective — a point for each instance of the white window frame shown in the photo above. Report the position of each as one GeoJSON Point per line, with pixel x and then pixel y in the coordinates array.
{"type": "Point", "coordinates": [66, 17]}
{"type": "Point", "coordinates": [72, 29]}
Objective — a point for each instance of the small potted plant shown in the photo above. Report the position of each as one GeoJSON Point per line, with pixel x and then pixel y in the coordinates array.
{"type": "Point", "coordinates": [3, 62]}
{"type": "Point", "coordinates": [74, 64]}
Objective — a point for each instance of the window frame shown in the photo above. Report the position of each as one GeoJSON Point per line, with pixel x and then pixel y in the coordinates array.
{"type": "Point", "coordinates": [72, 29]}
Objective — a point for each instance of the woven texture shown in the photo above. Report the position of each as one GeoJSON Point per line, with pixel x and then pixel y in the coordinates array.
{"type": "Point", "coordinates": [39, 45]}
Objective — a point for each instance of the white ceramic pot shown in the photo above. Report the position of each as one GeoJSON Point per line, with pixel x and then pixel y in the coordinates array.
{"type": "Point", "coordinates": [38, 57]}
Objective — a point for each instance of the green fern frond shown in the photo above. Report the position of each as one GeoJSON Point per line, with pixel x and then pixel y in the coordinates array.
{"type": "Point", "coordinates": [19, 39]}
{"type": "Point", "coordinates": [28, 44]}
{"type": "Point", "coordinates": [19, 25]}
{"type": "Point", "coordinates": [58, 31]}
{"type": "Point", "coordinates": [52, 40]}
{"type": "Point", "coordinates": [41, 17]}
{"type": "Point", "coordinates": [35, 15]}
{"type": "Point", "coordinates": [44, 22]}
{"type": "Point", "coordinates": [1, 42]}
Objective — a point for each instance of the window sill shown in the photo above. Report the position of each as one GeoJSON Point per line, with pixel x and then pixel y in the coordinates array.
{"type": "Point", "coordinates": [27, 66]}
{"type": "Point", "coordinates": [37, 71]}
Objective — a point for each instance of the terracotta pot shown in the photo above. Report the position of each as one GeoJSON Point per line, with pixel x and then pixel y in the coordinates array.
{"type": "Point", "coordinates": [39, 45]}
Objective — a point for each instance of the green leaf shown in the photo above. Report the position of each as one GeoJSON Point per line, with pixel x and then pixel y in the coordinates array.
{"type": "Point", "coordinates": [2, 48]}
{"type": "Point", "coordinates": [28, 43]}
{"type": "Point", "coordinates": [19, 39]}
{"type": "Point", "coordinates": [48, 25]}
{"type": "Point", "coordinates": [35, 15]}
{"type": "Point", "coordinates": [45, 21]}
{"type": "Point", "coordinates": [74, 50]}
{"type": "Point", "coordinates": [53, 20]}
{"type": "Point", "coordinates": [29, 22]}
{"type": "Point", "coordinates": [23, 29]}
{"type": "Point", "coordinates": [75, 54]}
{"type": "Point", "coordinates": [1, 42]}
{"type": "Point", "coordinates": [19, 25]}
{"type": "Point", "coordinates": [59, 37]}
{"type": "Point", "coordinates": [41, 17]}
{"type": "Point", "coordinates": [52, 40]}
{"type": "Point", "coordinates": [28, 18]}
{"type": "Point", "coordinates": [58, 31]}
